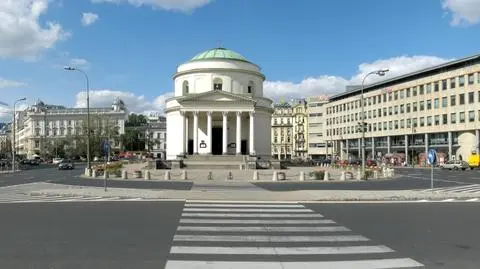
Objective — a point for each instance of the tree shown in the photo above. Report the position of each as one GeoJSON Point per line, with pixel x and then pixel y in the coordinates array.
{"type": "Point", "coordinates": [98, 134]}
{"type": "Point", "coordinates": [133, 139]}
{"type": "Point", "coordinates": [136, 120]}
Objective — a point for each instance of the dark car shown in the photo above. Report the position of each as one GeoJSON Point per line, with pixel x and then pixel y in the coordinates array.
{"type": "Point", "coordinates": [66, 165]}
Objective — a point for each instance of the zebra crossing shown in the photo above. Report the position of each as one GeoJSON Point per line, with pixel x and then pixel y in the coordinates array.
{"type": "Point", "coordinates": [238, 235]}
{"type": "Point", "coordinates": [472, 189]}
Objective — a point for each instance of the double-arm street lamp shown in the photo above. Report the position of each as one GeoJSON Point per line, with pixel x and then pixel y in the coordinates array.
{"type": "Point", "coordinates": [69, 68]}
{"type": "Point", "coordinates": [380, 73]}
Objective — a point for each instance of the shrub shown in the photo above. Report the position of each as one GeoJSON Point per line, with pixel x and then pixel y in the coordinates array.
{"type": "Point", "coordinates": [317, 175]}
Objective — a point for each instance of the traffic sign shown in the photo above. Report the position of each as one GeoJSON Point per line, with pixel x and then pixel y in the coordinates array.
{"type": "Point", "coordinates": [432, 156]}
{"type": "Point", "coordinates": [105, 146]}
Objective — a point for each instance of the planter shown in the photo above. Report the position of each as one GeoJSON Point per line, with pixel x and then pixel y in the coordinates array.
{"type": "Point", "coordinates": [137, 174]}
{"type": "Point", "coordinates": [317, 175]}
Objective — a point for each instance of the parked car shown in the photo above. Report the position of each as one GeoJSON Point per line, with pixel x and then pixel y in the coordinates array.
{"type": "Point", "coordinates": [455, 165]}
{"type": "Point", "coordinates": [66, 165]}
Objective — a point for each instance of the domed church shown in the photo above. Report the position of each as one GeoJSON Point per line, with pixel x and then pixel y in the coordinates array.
{"type": "Point", "coordinates": [218, 108]}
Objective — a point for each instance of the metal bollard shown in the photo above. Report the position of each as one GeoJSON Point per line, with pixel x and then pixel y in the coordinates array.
{"type": "Point", "coordinates": [326, 176]}
{"type": "Point", "coordinates": [255, 175]}
{"type": "Point", "coordinates": [124, 174]}
{"type": "Point", "coordinates": [302, 176]}
{"type": "Point", "coordinates": [167, 175]}
{"type": "Point", "coordinates": [343, 176]}
{"type": "Point", "coordinates": [230, 175]}
{"type": "Point", "coordinates": [105, 174]}
{"type": "Point", "coordinates": [210, 175]}
{"type": "Point", "coordinates": [147, 175]}
{"type": "Point", "coordinates": [184, 175]}
{"type": "Point", "coordinates": [275, 176]}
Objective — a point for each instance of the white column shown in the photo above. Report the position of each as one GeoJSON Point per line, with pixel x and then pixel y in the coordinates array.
{"type": "Point", "coordinates": [450, 146]}
{"type": "Point", "coordinates": [209, 132]}
{"type": "Point", "coordinates": [239, 133]}
{"type": "Point", "coordinates": [184, 133]}
{"type": "Point", "coordinates": [225, 133]}
{"type": "Point", "coordinates": [251, 138]}
{"type": "Point", "coordinates": [407, 160]}
{"type": "Point", "coordinates": [373, 148]}
{"type": "Point", "coordinates": [195, 132]}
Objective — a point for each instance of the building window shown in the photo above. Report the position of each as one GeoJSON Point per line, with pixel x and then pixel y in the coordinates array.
{"type": "Point", "coordinates": [429, 88]}
{"type": "Point", "coordinates": [37, 143]}
{"type": "Point", "coordinates": [461, 99]}
{"type": "Point", "coordinates": [217, 84]}
{"type": "Point", "coordinates": [402, 124]}
{"type": "Point", "coordinates": [452, 83]}
{"type": "Point", "coordinates": [422, 121]}
{"type": "Point", "coordinates": [470, 79]}
{"type": "Point", "coordinates": [436, 86]}
{"type": "Point", "coordinates": [453, 118]}
{"type": "Point", "coordinates": [422, 105]}
{"type": "Point", "coordinates": [471, 116]}
{"type": "Point", "coordinates": [409, 123]}
{"type": "Point", "coordinates": [250, 87]}
{"type": "Point", "coordinates": [444, 101]}
{"type": "Point", "coordinates": [437, 120]}
{"type": "Point", "coordinates": [444, 119]}
{"type": "Point", "coordinates": [429, 104]}
{"type": "Point", "coordinates": [471, 97]}
{"type": "Point", "coordinates": [408, 108]}
{"type": "Point", "coordinates": [414, 122]}
{"type": "Point", "coordinates": [462, 117]}
{"type": "Point", "coordinates": [461, 81]}
{"type": "Point", "coordinates": [402, 109]}
{"type": "Point", "coordinates": [420, 89]}
{"type": "Point", "coordinates": [429, 121]}
{"type": "Point", "coordinates": [185, 87]}
{"type": "Point", "coordinates": [444, 84]}
{"type": "Point", "coordinates": [414, 108]}
{"type": "Point", "coordinates": [414, 91]}
{"type": "Point", "coordinates": [453, 100]}
{"type": "Point", "coordinates": [407, 92]}
{"type": "Point", "coordinates": [436, 103]}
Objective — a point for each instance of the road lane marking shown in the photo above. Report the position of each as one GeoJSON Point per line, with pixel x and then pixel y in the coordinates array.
{"type": "Point", "coordinates": [472, 200]}
{"type": "Point", "coordinates": [263, 229]}
{"type": "Point", "coordinates": [240, 202]}
{"type": "Point", "coordinates": [252, 215]}
{"type": "Point", "coordinates": [257, 221]}
{"type": "Point", "coordinates": [266, 238]}
{"type": "Point", "coordinates": [353, 264]}
{"type": "Point", "coordinates": [245, 210]}
{"type": "Point", "coordinates": [243, 205]}
{"type": "Point", "coordinates": [279, 250]}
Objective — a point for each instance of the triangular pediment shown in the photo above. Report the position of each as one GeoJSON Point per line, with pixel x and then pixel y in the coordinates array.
{"type": "Point", "coordinates": [215, 96]}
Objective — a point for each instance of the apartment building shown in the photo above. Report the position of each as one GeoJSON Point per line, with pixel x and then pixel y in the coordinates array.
{"type": "Point", "coordinates": [156, 135]}
{"type": "Point", "coordinates": [438, 107]}
{"type": "Point", "coordinates": [42, 125]}
{"type": "Point", "coordinates": [300, 129]}
{"type": "Point", "coordinates": [319, 146]}
{"type": "Point", "coordinates": [282, 131]}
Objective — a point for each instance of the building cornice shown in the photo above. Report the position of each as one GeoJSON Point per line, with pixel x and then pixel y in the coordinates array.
{"type": "Point", "coordinates": [212, 70]}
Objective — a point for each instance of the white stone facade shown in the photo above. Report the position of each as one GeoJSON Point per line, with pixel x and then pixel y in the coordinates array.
{"type": "Point", "coordinates": [320, 145]}
{"type": "Point", "coordinates": [218, 108]}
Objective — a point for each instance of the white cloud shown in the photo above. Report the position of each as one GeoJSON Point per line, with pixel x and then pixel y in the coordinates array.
{"type": "Point", "coordinates": [6, 83]}
{"type": "Point", "coordinates": [79, 62]}
{"type": "Point", "coordinates": [21, 34]}
{"type": "Point", "coordinates": [134, 103]}
{"type": "Point", "coordinates": [89, 18]}
{"type": "Point", "coordinates": [464, 12]}
{"type": "Point", "coordinates": [169, 5]}
{"type": "Point", "coordinates": [328, 85]}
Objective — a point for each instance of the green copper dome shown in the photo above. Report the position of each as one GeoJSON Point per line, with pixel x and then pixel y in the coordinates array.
{"type": "Point", "coordinates": [219, 53]}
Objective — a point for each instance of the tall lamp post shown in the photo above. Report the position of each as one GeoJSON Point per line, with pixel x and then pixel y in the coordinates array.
{"type": "Point", "coordinates": [14, 132]}
{"type": "Point", "coordinates": [69, 68]}
{"type": "Point", "coordinates": [380, 73]}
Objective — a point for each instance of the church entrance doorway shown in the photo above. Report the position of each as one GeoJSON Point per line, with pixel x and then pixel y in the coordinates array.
{"type": "Point", "coordinates": [217, 138]}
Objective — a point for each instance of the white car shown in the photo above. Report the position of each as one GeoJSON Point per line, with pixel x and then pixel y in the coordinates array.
{"type": "Point", "coordinates": [57, 160]}
{"type": "Point", "coordinates": [455, 165]}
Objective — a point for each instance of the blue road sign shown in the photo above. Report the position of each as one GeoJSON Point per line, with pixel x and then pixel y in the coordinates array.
{"type": "Point", "coordinates": [105, 146]}
{"type": "Point", "coordinates": [432, 156]}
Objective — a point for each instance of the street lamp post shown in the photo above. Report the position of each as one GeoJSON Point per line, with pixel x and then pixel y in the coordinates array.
{"type": "Point", "coordinates": [69, 68]}
{"type": "Point", "coordinates": [381, 73]}
{"type": "Point", "coordinates": [14, 133]}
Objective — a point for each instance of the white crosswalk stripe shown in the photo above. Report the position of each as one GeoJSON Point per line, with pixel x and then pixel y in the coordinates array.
{"type": "Point", "coordinates": [247, 235]}
{"type": "Point", "coordinates": [472, 188]}
{"type": "Point", "coordinates": [13, 197]}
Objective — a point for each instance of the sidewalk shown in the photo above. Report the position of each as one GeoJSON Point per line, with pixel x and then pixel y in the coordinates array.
{"type": "Point", "coordinates": [243, 190]}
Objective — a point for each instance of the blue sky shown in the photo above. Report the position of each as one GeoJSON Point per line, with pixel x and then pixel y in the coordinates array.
{"type": "Point", "coordinates": [305, 47]}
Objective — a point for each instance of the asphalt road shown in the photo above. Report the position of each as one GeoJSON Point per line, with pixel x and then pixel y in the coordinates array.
{"type": "Point", "coordinates": [438, 235]}
{"type": "Point", "coordinates": [155, 235]}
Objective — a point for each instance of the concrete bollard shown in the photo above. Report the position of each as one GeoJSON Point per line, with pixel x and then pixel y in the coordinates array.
{"type": "Point", "coordinates": [375, 174]}
{"type": "Point", "coordinates": [255, 175]}
{"type": "Point", "coordinates": [359, 174]}
{"type": "Point", "coordinates": [88, 172]}
{"type": "Point", "coordinates": [302, 176]}
{"type": "Point", "coordinates": [392, 172]}
{"type": "Point", "coordinates": [94, 173]}
{"type": "Point", "coordinates": [184, 175]}
{"type": "Point", "coordinates": [147, 175]}
{"type": "Point", "coordinates": [275, 176]}
{"type": "Point", "coordinates": [229, 175]}
{"type": "Point", "coordinates": [167, 176]}
{"type": "Point", "coordinates": [342, 176]}
{"type": "Point", "coordinates": [210, 175]}
{"type": "Point", "coordinates": [124, 174]}
{"type": "Point", "coordinates": [105, 174]}
{"type": "Point", "coordinates": [326, 176]}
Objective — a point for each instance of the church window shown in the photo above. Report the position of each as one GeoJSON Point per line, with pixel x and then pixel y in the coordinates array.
{"type": "Point", "coordinates": [250, 87]}
{"type": "Point", "coordinates": [185, 87]}
{"type": "Point", "coordinates": [217, 84]}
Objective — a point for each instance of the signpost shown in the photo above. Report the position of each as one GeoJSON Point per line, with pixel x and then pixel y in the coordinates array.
{"type": "Point", "coordinates": [106, 150]}
{"type": "Point", "coordinates": [432, 159]}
